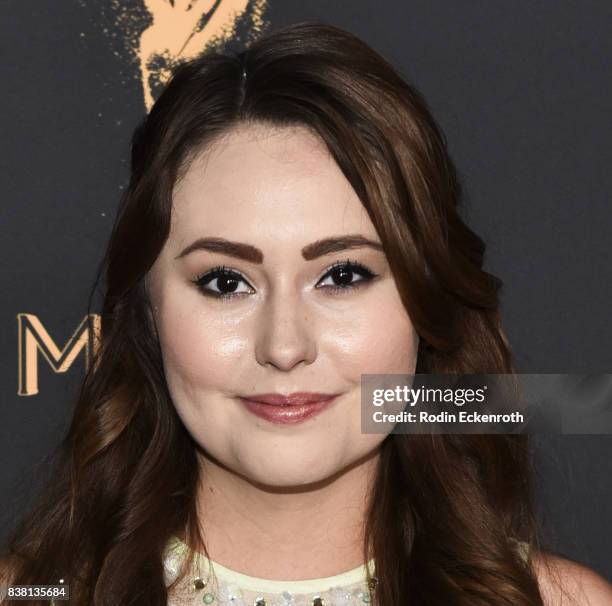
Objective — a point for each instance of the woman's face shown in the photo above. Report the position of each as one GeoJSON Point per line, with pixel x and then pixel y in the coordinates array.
{"type": "Point", "coordinates": [277, 206]}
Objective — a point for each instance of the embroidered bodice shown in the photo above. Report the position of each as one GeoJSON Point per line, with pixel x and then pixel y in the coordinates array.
{"type": "Point", "coordinates": [211, 583]}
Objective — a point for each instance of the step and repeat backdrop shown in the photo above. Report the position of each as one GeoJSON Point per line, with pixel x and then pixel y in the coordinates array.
{"type": "Point", "coordinates": [521, 91]}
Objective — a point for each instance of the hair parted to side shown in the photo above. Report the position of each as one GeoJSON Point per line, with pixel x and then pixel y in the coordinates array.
{"type": "Point", "coordinates": [445, 509]}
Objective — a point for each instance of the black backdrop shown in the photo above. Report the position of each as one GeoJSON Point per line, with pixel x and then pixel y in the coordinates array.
{"type": "Point", "coordinates": [523, 94]}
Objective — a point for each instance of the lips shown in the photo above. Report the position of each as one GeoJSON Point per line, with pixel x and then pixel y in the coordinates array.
{"type": "Point", "coordinates": [290, 409]}
{"type": "Point", "coordinates": [294, 399]}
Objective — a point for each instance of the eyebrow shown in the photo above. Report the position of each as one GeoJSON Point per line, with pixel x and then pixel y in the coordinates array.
{"type": "Point", "coordinates": [252, 254]}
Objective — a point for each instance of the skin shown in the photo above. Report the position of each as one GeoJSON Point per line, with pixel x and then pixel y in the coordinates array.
{"type": "Point", "coordinates": [287, 502]}
{"type": "Point", "coordinates": [563, 582]}
{"type": "Point", "coordinates": [277, 502]}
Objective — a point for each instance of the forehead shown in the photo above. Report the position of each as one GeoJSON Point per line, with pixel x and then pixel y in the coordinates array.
{"type": "Point", "coordinates": [256, 180]}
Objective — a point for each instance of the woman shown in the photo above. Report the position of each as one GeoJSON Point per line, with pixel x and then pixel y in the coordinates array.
{"type": "Point", "coordinates": [292, 222]}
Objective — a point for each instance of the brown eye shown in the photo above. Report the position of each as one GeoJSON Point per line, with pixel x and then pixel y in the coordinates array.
{"type": "Point", "coordinates": [221, 283]}
{"type": "Point", "coordinates": [343, 276]}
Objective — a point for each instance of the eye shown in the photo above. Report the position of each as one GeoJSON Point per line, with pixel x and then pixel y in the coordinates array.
{"type": "Point", "coordinates": [343, 274]}
{"type": "Point", "coordinates": [223, 283]}
{"type": "Point", "coordinates": [225, 280]}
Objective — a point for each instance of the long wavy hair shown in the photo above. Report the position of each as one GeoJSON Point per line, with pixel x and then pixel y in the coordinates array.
{"type": "Point", "coordinates": [445, 510]}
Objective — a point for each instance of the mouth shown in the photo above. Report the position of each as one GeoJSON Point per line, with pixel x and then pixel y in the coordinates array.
{"type": "Point", "coordinates": [291, 409]}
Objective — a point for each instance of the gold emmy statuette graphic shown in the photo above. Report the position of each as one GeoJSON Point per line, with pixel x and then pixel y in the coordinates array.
{"type": "Point", "coordinates": [183, 29]}
{"type": "Point", "coordinates": [34, 339]}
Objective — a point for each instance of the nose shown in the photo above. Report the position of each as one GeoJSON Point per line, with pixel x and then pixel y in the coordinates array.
{"type": "Point", "coordinates": [285, 335]}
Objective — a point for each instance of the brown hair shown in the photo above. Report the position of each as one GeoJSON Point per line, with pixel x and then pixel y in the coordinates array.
{"type": "Point", "coordinates": [445, 509]}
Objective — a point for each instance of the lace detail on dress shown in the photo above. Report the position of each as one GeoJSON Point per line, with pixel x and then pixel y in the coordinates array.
{"type": "Point", "coordinates": [215, 584]}
{"type": "Point", "coordinates": [225, 587]}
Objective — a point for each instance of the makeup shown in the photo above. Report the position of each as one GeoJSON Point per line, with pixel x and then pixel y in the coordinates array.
{"type": "Point", "coordinates": [288, 410]}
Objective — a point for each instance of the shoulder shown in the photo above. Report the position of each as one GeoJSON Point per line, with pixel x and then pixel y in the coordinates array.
{"type": "Point", "coordinates": [563, 581]}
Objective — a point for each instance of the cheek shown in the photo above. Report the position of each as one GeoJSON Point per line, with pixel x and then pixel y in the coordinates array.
{"type": "Point", "coordinates": [199, 351]}
{"type": "Point", "coordinates": [376, 337]}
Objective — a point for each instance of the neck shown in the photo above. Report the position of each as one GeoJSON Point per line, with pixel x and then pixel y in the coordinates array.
{"type": "Point", "coordinates": [295, 533]}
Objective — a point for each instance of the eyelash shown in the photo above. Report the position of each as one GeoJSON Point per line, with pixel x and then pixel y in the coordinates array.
{"type": "Point", "coordinates": [222, 271]}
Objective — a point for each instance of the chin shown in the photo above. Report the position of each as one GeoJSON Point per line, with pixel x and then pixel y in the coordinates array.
{"type": "Point", "coordinates": [287, 480]}
{"type": "Point", "coordinates": [289, 472]}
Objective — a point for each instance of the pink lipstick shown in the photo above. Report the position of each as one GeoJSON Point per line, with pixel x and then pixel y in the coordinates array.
{"type": "Point", "coordinates": [290, 409]}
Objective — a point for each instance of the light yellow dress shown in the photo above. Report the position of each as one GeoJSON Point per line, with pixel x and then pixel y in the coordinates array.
{"type": "Point", "coordinates": [218, 585]}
